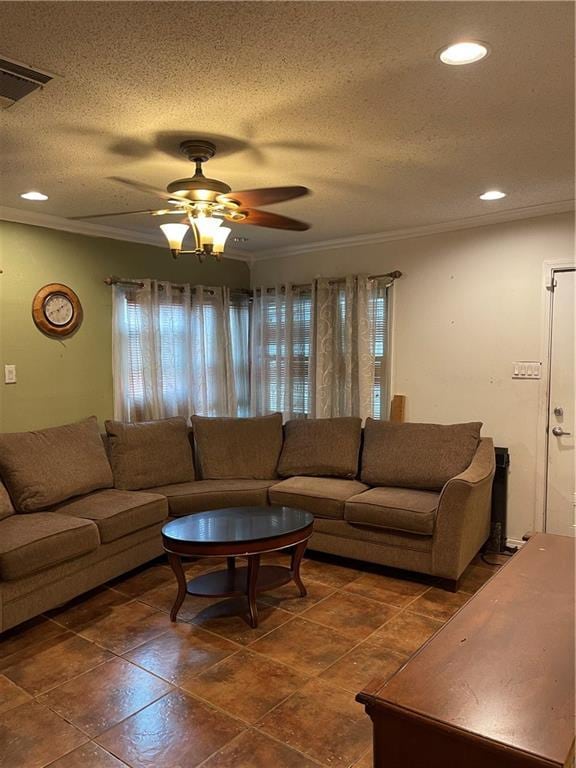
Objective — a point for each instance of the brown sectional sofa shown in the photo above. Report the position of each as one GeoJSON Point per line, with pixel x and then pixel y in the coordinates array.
{"type": "Point", "coordinates": [82, 509]}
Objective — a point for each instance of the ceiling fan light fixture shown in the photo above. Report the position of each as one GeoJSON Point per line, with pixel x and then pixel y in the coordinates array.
{"type": "Point", "coordinates": [175, 234]}
{"type": "Point", "coordinates": [206, 228]}
{"type": "Point", "coordinates": [220, 237]}
{"type": "Point", "coordinates": [465, 52]}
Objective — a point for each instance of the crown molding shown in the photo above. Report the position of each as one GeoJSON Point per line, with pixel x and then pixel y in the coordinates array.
{"type": "Point", "coordinates": [514, 214]}
{"type": "Point", "coordinates": [36, 219]}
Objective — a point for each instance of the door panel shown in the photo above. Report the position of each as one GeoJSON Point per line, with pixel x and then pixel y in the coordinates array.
{"type": "Point", "coordinates": [561, 499]}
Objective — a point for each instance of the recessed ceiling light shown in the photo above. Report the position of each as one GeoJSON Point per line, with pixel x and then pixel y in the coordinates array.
{"type": "Point", "coordinates": [463, 53]}
{"type": "Point", "coordinates": [34, 196]}
{"type": "Point", "coordinates": [493, 194]}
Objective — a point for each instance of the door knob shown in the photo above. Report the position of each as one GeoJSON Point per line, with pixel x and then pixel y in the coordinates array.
{"type": "Point", "coordinates": [558, 432]}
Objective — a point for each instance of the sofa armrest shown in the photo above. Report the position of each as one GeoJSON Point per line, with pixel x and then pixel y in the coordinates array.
{"type": "Point", "coordinates": [463, 516]}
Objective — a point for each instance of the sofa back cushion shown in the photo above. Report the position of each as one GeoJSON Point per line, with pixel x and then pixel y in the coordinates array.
{"type": "Point", "coordinates": [6, 506]}
{"type": "Point", "coordinates": [238, 448]}
{"type": "Point", "coordinates": [423, 456]}
{"type": "Point", "coordinates": [45, 467]}
{"type": "Point", "coordinates": [325, 447]}
{"type": "Point", "coordinates": [150, 453]}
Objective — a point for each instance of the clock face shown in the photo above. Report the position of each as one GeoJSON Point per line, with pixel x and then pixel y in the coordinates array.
{"type": "Point", "coordinates": [58, 309]}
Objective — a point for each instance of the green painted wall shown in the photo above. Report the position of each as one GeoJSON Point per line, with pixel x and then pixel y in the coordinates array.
{"type": "Point", "coordinates": [64, 380]}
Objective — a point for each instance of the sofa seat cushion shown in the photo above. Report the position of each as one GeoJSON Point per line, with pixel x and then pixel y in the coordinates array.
{"type": "Point", "coordinates": [202, 495]}
{"type": "Point", "coordinates": [43, 468]}
{"type": "Point", "coordinates": [321, 447]}
{"type": "Point", "coordinates": [117, 513]}
{"type": "Point", "coordinates": [323, 496]}
{"type": "Point", "coordinates": [148, 453]}
{"type": "Point", "coordinates": [40, 540]}
{"type": "Point", "coordinates": [397, 509]}
{"type": "Point", "coordinates": [421, 456]}
{"type": "Point", "coordinates": [232, 449]}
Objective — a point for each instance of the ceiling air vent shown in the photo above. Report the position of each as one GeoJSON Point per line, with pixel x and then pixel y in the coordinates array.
{"type": "Point", "coordinates": [17, 81]}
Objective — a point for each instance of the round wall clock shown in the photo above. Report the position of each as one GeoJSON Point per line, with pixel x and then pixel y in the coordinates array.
{"type": "Point", "coordinates": [56, 310]}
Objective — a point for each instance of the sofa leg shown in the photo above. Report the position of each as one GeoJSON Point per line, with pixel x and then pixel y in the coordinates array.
{"type": "Point", "coordinates": [450, 585]}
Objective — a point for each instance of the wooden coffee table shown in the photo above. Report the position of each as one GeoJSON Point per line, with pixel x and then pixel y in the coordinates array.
{"type": "Point", "coordinates": [237, 532]}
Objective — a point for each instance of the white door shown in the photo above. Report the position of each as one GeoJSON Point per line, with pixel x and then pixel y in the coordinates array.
{"type": "Point", "coordinates": [561, 490]}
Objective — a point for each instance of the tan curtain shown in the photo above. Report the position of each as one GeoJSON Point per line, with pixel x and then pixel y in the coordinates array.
{"type": "Point", "coordinates": [343, 354]}
{"type": "Point", "coordinates": [172, 352]}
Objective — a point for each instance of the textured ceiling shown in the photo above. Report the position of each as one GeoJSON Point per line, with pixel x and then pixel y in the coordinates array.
{"type": "Point", "coordinates": [346, 98]}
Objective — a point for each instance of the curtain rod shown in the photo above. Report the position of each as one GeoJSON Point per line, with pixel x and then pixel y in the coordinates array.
{"type": "Point", "coordinates": [392, 275]}
{"type": "Point", "coordinates": [113, 280]}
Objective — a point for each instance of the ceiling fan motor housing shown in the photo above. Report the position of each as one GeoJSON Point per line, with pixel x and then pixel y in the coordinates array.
{"type": "Point", "coordinates": [198, 189]}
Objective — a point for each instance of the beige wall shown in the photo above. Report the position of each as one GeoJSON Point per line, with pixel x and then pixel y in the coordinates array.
{"type": "Point", "coordinates": [59, 381]}
{"type": "Point", "coordinates": [469, 304]}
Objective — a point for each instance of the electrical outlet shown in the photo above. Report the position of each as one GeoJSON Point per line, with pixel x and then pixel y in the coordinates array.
{"type": "Point", "coordinates": [9, 374]}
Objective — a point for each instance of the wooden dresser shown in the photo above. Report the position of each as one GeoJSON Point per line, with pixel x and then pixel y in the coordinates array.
{"type": "Point", "coordinates": [494, 688]}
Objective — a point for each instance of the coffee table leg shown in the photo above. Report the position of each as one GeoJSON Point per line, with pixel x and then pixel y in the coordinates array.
{"type": "Point", "coordinates": [253, 568]}
{"type": "Point", "coordinates": [176, 565]}
{"type": "Point", "coordinates": [297, 556]}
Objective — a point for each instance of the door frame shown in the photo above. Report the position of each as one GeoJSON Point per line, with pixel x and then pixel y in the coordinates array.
{"type": "Point", "coordinates": [549, 267]}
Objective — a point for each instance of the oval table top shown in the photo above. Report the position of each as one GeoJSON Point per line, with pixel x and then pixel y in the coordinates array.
{"type": "Point", "coordinates": [237, 524]}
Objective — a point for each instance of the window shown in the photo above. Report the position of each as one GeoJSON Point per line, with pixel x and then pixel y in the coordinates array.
{"type": "Point", "coordinates": [281, 350]}
{"type": "Point", "coordinates": [303, 351]}
{"type": "Point", "coordinates": [179, 352]}
{"type": "Point", "coordinates": [311, 348]}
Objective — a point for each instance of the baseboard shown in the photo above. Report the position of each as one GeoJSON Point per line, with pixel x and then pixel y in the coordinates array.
{"type": "Point", "coordinates": [516, 543]}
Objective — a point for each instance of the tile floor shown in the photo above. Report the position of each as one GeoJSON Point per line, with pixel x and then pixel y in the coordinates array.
{"type": "Point", "coordinates": [108, 682]}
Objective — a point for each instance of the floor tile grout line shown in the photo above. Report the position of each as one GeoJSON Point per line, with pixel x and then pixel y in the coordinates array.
{"type": "Point", "coordinates": [70, 679]}
{"type": "Point", "coordinates": [258, 723]}
{"type": "Point", "coordinates": [252, 728]}
{"type": "Point", "coordinates": [52, 762]}
{"type": "Point", "coordinates": [223, 711]}
{"type": "Point", "coordinates": [178, 685]}
{"type": "Point", "coordinates": [93, 738]}
{"type": "Point", "coordinates": [355, 647]}
{"type": "Point", "coordinates": [299, 751]}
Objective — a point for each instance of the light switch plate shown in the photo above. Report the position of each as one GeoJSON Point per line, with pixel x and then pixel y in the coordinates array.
{"type": "Point", "coordinates": [526, 369]}
{"type": "Point", "coordinates": [9, 374]}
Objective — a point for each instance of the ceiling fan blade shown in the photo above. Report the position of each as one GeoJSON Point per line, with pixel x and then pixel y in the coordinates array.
{"type": "Point", "coordinates": [142, 187]}
{"type": "Point", "coordinates": [117, 213]}
{"type": "Point", "coordinates": [272, 220]}
{"type": "Point", "coordinates": [251, 197]}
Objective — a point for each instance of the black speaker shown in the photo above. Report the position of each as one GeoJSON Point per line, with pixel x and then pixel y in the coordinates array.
{"type": "Point", "coordinates": [497, 540]}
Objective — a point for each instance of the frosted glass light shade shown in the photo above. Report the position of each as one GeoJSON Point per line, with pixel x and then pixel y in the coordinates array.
{"type": "Point", "coordinates": [206, 226]}
{"type": "Point", "coordinates": [175, 234]}
{"type": "Point", "coordinates": [220, 237]}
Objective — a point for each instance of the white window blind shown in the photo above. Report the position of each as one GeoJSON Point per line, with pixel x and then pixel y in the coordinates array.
{"type": "Point", "coordinates": [281, 348]}
{"type": "Point", "coordinates": [381, 397]}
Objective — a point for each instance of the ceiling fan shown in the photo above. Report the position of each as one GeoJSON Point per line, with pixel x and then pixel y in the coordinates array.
{"type": "Point", "coordinates": [207, 203]}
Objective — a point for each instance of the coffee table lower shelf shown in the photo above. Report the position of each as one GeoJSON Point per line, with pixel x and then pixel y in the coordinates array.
{"type": "Point", "coordinates": [247, 581]}
{"type": "Point", "coordinates": [233, 582]}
